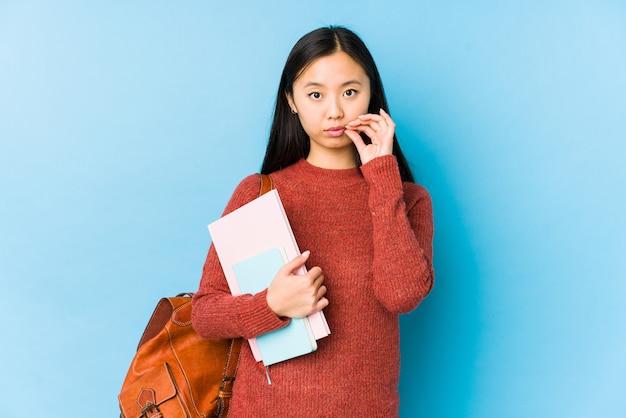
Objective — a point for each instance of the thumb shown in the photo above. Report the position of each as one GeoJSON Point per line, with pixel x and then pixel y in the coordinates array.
{"type": "Point", "coordinates": [297, 262]}
{"type": "Point", "coordinates": [356, 139]}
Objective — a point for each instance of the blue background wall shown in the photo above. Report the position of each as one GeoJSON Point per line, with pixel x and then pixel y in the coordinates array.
{"type": "Point", "coordinates": [124, 127]}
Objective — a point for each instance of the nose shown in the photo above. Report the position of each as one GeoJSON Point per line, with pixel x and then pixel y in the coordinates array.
{"type": "Point", "coordinates": [334, 110]}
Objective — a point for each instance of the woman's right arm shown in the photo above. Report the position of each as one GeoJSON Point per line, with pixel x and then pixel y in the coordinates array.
{"type": "Point", "coordinates": [215, 312]}
{"type": "Point", "coordinates": [218, 314]}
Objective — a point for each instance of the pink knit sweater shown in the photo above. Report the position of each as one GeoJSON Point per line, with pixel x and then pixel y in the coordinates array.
{"type": "Point", "coordinates": [372, 236]}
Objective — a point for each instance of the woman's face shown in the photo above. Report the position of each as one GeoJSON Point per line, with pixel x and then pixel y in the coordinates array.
{"type": "Point", "coordinates": [332, 91]}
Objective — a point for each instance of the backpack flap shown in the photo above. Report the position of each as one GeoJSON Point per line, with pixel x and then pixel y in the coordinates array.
{"type": "Point", "coordinates": [175, 372]}
{"type": "Point", "coordinates": [153, 395]}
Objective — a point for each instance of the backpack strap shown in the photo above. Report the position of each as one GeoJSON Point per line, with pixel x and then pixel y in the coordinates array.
{"type": "Point", "coordinates": [225, 392]}
{"type": "Point", "coordinates": [266, 184]}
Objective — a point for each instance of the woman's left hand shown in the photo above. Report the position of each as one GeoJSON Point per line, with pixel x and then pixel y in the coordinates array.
{"type": "Point", "coordinates": [379, 128]}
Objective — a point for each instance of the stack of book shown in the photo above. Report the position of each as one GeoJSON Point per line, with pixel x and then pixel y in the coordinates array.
{"type": "Point", "coordinates": [252, 243]}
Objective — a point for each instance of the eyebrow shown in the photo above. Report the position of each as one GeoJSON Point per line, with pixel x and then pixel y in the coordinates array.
{"type": "Point", "coordinates": [316, 84]}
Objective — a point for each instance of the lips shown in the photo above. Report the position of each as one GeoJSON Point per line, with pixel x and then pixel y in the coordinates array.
{"type": "Point", "coordinates": [335, 131]}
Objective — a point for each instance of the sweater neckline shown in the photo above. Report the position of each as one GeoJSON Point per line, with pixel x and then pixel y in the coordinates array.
{"type": "Point", "coordinates": [335, 177]}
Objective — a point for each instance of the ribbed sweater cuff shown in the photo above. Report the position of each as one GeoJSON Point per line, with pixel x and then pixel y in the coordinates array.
{"type": "Point", "coordinates": [257, 317]}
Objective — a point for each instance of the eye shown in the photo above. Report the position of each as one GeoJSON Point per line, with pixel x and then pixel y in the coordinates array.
{"type": "Point", "coordinates": [315, 95]}
{"type": "Point", "coordinates": [350, 92]}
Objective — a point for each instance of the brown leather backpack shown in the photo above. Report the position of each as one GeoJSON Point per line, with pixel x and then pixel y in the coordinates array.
{"type": "Point", "coordinates": [176, 373]}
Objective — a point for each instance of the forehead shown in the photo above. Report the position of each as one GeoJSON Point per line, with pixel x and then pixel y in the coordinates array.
{"type": "Point", "coordinates": [330, 70]}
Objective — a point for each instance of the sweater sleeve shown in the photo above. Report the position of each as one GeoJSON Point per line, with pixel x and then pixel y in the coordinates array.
{"type": "Point", "coordinates": [402, 222]}
{"type": "Point", "coordinates": [218, 314]}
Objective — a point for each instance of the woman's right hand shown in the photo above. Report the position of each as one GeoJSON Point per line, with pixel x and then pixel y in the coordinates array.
{"type": "Point", "coordinates": [296, 296]}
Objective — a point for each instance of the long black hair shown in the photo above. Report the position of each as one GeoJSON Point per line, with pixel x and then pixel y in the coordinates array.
{"type": "Point", "coordinates": [288, 142]}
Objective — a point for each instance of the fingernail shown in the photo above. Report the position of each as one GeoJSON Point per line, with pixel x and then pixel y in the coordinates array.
{"type": "Point", "coordinates": [306, 253]}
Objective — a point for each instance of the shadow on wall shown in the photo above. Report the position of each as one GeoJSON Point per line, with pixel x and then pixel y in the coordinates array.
{"type": "Point", "coordinates": [439, 340]}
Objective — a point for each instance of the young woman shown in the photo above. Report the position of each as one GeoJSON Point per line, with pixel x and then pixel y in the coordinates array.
{"type": "Point", "coordinates": [367, 228]}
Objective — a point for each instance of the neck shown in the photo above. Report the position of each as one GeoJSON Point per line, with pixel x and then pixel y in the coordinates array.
{"type": "Point", "coordinates": [332, 160]}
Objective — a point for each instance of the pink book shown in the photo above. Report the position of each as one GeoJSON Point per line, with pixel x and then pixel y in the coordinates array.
{"type": "Point", "coordinates": [251, 230]}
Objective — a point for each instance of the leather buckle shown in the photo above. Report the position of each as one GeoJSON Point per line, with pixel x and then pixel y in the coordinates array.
{"type": "Point", "coordinates": [150, 408]}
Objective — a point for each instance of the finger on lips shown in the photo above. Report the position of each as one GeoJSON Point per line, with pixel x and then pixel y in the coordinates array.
{"type": "Point", "coordinates": [371, 119]}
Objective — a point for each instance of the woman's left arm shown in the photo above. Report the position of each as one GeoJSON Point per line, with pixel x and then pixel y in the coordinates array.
{"type": "Point", "coordinates": [402, 221]}
{"type": "Point", "coordinates": [402, 218]}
